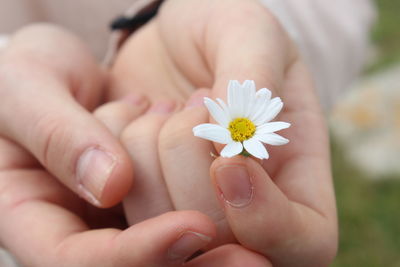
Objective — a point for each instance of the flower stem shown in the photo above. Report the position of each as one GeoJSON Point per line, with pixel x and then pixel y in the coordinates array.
{"type": "Point", "coordinates": [244, 153]}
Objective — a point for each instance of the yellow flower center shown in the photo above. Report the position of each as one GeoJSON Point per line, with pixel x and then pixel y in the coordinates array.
{"type": "Point", "coordinates": [241, 129]}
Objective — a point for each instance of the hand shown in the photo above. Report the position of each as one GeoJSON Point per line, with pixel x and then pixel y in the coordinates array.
{"type": "Point", "coordinates": [291, 218]}
{"type": "Point", "coordinates": [176, 53]}
{"type": "Point", "coordinates": [50, 82]}
{"type": "Point", "coordinates": [45, 224]}
{"type": "Point", "coordinates": [282, 208]}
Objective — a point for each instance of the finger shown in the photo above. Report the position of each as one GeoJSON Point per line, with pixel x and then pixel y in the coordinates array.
{"type": "Point", "coordinates": [14, 157]}
{"type": "Point", "coordinates": [263, 55]}
{"type": "Point", "coordinates": [117, 115]}
{"type": "Point", "coordinates": [246, 43]}
{"type": "Point", "coordinates": [166, 240]}
{"type": "Point", "coordinates": [229, 256]}
{"type": "Point", "coordinates": [185, 162]}
{"type": "Point", "coordinates": [265, 220]}
{"type": "Point", "coordinates": [47, 120]}
{"type": "Point", "coordinates": [57, 237]}
{"type": "Point", "coordinates": [148, 196]}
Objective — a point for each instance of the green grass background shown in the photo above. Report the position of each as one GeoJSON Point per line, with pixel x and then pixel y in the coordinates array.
{"type": "Point", "coordinates": [369, 210]}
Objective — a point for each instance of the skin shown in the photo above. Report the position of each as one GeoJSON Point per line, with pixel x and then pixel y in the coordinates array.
{"type": "Point", "coordinates": [39, 149]}
{"type": "Point", "coordinates": [292, 216]}
{"type": "Point", "coordinates": [44, 223]}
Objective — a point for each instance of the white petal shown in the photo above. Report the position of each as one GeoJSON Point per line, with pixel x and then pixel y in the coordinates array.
{"type": "Point", "coordinates": [232, 88]}
{"type": "Point", "coordinates": [262, 99]}
{"type": "Point", "coordinates": [256, 148]}
{"type": "Point", "coordinates": [249, 95]}
{"type": "Point", "coordinates": [244, 101]}
{"type": "Point", "coordinates": [213, 133]}
{"type": "Point", "coordinates": [273, 108]}
{"type": "Point", "coordinates": [264, 92]}
{"type": "Point", "coordinates": [225, 108]}
{"type": "Point", "coordinates": [272, 139]}
{"type": "Point", "coordinates": [232, 149]}
{"type": "Point", "coordinates": [217, 112]}
{"type": "Point", "coordinates": [233, 98]}
{"type": "Point", "coordinates": [272, 127]}
{"type": "Point", "coordinates": [249, 85]}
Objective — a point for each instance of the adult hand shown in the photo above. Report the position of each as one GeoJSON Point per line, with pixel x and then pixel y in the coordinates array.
{"type": "Point", "coordinates": [45, 224]}
{"type": "Point", "coordinates": [49, 82]}
{"type": "Point", "coordinates": [291, 218]}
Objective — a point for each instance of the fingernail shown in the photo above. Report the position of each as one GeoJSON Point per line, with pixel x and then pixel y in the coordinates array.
{"type": "Point", "coordinates": [93, 170]}
{"type": "Point", "coordinates": [235, 185]}
{"type": "Point", "coordinates": [163, 107]}
{"type": "Point", "coordinates": [134, 99]}
{"type": "Point", "coordinates": [187, 244]}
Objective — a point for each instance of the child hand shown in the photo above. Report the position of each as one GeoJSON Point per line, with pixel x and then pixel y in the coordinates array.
{"type": "Point", "coordinates": [206, 48]}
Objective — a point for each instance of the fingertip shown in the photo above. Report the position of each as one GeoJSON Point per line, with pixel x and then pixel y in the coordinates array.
{"type": "Point", "coordinates": [194, 232]}
{"type": "Point", "coordinates": [241, 182]}
{"type": "Point", "coordinates": [116, 115]}
{"type": "Point", "coordinates": [135, 99]}
{"type": "Point", "coordinates": [254, 204]}
{"type": "Point", "coordinates": [166, 240]}
{"type": "Point", "coordinates": [103, 174]}
{"type": "Point", "coordinates": [197, 98]}
{"type": "Point", "coordinates": [119, 183]}
{"type": "Point", "coordinates": [198, 220]}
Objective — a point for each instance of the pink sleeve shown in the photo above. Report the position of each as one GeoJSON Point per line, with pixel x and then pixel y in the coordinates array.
{"type": "Point", "coordinates": [332, 36]}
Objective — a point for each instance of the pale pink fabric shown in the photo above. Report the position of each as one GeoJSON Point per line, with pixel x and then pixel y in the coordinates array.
{"type": "Point", "coordinates": [87, 18]}
{"type": "Point", "coordinates": [333, 37]}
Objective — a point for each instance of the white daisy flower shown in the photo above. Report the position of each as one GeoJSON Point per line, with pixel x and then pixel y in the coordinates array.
{"type": "Point", "coordinates": [244, 124]}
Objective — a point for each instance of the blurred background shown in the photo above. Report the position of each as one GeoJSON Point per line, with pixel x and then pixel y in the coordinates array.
{"type": "Point", "coordinates": [365, 127]}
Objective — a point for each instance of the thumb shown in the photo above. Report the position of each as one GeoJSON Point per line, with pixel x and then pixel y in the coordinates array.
{"type": "Point", "coordinates": [261, 216]}
{"type": "Point", "coordinates": [41, 114]}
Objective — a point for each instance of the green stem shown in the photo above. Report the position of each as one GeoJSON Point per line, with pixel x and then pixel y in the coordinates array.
{"type": "Point", "coordinates": [244, 153]}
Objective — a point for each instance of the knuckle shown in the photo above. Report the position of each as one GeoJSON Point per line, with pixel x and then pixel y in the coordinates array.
{"type": "Point", "coordinates": [108, 112]}
{"type": "Point", "coordinates": [143, 130]}
{"type": "Point", "coordinates": [177, 132]}
{"type": "Point", "coordinates": [114, 110]}
{"type": "Point", "coordinates": [174, 133]}
{"type": "Point", "coordinates": [140, 132]}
